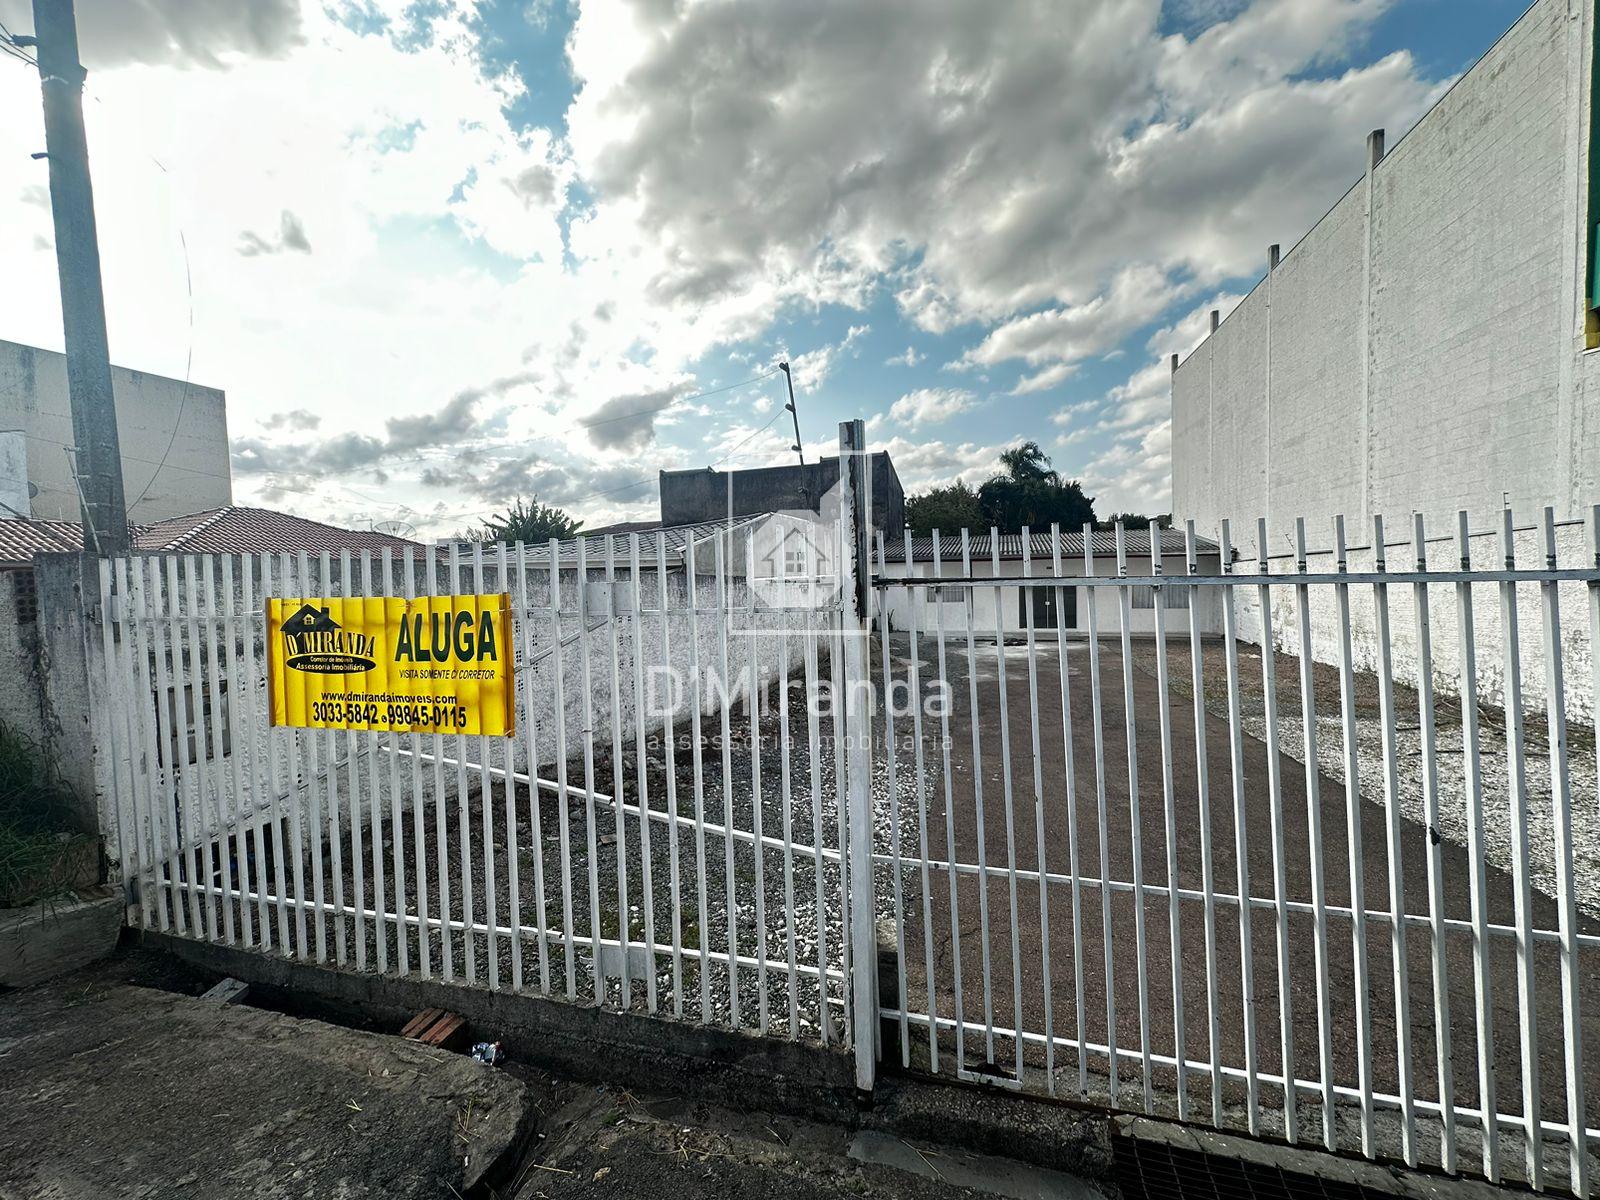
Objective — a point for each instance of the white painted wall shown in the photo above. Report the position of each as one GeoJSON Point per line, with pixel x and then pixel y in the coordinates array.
{"type": "Point", "coordinates": [1426, 355]}
{"type": "Point", "coordinates": [1421, 350]}
{"type": "Point", "coordinates": [196, 475]}
{"type": "Point", "coordinates": [902, 603]}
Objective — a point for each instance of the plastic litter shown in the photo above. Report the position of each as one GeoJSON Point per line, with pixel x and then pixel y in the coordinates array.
{"type": "Point", "coordinates": [488, 1053]}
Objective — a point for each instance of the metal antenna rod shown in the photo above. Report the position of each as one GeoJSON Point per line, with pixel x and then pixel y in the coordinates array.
{"type": "Point", "coordinates": [793, 412]}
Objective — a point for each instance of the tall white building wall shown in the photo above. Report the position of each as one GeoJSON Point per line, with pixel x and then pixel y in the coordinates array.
{"type": "Point", "coordinates": [1422, 348]}
{"type": "Point", "coordinates": [174, 437]}
{"type": "Point", "coordinates": [1426, 338]}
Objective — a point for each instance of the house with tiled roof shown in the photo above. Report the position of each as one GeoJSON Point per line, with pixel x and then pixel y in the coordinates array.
{"type": "Point", "coordinates": [232, 529]}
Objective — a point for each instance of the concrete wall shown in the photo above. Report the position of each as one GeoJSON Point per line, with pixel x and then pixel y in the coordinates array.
{"type": "Point", "coordinates": [1426, 337]}
{"type": "Point", "coordinates": [196, 474]}
{"type": "Point", "coordinates": [23, 705]}
{"type": "Point", "coordinates": [1422, 350]}
{"type": "Point", "coordinates": [905, 604]}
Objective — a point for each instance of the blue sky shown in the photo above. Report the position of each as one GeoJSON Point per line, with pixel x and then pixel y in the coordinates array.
{"type": "Point", "coordinates": [533, 232]}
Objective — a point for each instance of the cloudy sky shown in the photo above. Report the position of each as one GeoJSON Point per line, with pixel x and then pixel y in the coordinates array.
{"type": "Point", "coordinates": [442, 252]}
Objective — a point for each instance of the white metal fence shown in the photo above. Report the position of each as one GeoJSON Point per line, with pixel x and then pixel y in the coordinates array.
{"type": "Point", "coordinates": [1185, 875]}
{"type": "Point", "coordinates": [1246, 889]}
{"type": "Point", "coordinates": [663, 832]}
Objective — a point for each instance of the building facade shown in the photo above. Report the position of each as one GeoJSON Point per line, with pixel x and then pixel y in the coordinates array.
{"type": "Point", "coordinates": [1429, 345]}
{"type": "Point", "coordinates": [174, 438]}
{"type": "Point", "coordinates": [706, 494]}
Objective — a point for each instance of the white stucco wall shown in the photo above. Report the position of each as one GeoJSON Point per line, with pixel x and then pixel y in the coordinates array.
{"type": "Point", "coordinates": [196, 475]}
{"type": "Point", "coordinates": [1426, 355]}
{"type": "Point", "coordinates": [902, 604]}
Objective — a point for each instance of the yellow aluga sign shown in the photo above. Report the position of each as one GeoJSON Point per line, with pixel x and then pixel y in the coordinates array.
{"type": "Point", "coordinates": [433, 664]}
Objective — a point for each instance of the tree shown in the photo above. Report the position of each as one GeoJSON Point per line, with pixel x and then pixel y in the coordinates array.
{"type": "Point", "coordinates": [525, 521]}
{"type": "Point", "coordinates": [1029, 491]}
{"type": "Point", "coordinates": [1135, 521]}
{"type": "Point", "coordinates": [949, 509]}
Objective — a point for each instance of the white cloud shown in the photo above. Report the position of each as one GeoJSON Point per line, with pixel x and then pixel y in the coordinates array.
{"type": "Point", "coordinates": [909, 359]}
{"type": "Point", "coordinates": [929, 406]}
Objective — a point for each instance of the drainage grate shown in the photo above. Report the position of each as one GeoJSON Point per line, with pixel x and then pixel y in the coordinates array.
{"type": "Point", "coordinates": [1153, 1170]}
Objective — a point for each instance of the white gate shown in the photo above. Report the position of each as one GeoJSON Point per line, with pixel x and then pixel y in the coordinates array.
{"type": "Point", "coordinates": [666, 831]}
{"type": "Point", "coordinates": [1355, 902]}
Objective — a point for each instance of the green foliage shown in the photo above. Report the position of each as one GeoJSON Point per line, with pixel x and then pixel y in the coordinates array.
{"type": "Point", "coordinates": [1136, 521]}
{"type": "Point", "coordinates": [1027, 491]}
{"type": "Point", "coordinates": [527, 520]}
{"type": "Point", "coordinates": [1030, 492]}
{"type": "Point", "coordinates": [952, 507]}
{"type": "Point", "coordinates": [41, 854]}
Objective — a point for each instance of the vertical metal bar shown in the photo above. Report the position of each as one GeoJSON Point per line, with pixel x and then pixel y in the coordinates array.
{"type": "Point", "coordinates": [463, 807]}
{"type": "Point", "coordinates": [1028, 596]}
{"type": "Point", "coordinates": [1102, 813]}
{"type": "Point", "coordinates": [855, 633]}
{"type": "Point", "coordinates": [396, 825]}
{"type": "Point", "coordinates": [1241, 854]}
{"type": "Point", "coordinates": [724, 690]}
{"type": "Point", "coordinates": [1170, 824]}
{"type": "Point", "coordinates": [838, 636]}
{"type": "Point", "coordinates": [1203, 786]}
{"type": "Point", "coordinates": [170, 743]}
{"type": "Point", "coordinates": [691, 571]}
{"type": "Point", "coordinates": [562, 795]}
{"type": "Point", "coordinates": [1477, 870]}
{"type": "Point", "coordinates": [509, 785]}
{"type": "Point", "coordinates": [646, 882]}
{"type": "Point", "coordinates": [1135, 824]}
{"type": "Point", "coordinates": [491, 899]}
{"type": "Point", "coordinates": [1430, 808]}
{"type": "Point", "coordinates": [419, 838]}
{"type": "Point", "coordinates": [1521, 882]}
{"type": "Point", "coordinates": [785, 755]}
{"type": "Point", "coordinates": [915, 679]}
{"type": "Point", "coordinates": [530, 732]}
{"type": "Point", "coordinates": [977, 795]}
{"type": "Point", "coordinates": [586, 701]}
{"type": "Point", "coordinates": [949, 809]}
{"type": "Point", "coordinates": [374, 814]}
{"type": "Point", "coordinates": [426, 608]}
{"type": "Point", "coordinates": [358, 853]}
{"type": "Point", "coordinates": [896, 868]}
{"type": "Point", "coordinates": [1319, 894]}
{"type": "Point", "coordinates": [758, 845]}
{"type": "Point", "coordinates": [1352, 799]}
{"type": "Point", "coordinates": [245, 694]}
{"type": "Point", "coordinates": [814, 753]}
{"type": "Point", "coordinates": [205, 620]}
{"type": "Point", "coordinates": [1566, 902]}
{"type": "Point", "coordinates": [313, 770]}
{"type": "Point", "coordinates": [668, 737]}
{"type": "Point", "coordinates": [1394, 826]}
{"type": "Point", "coordinates": [619, 821]}
{"type": "Point", "coordinates": [292, 781]}
{"type": "Point", "coordinates": [1280, 883]}
{"type": "Point", "coordinates": [205, 843]}
{"type": "Point", "coordinates": [1010, 805]}
{"type": "Point", "coordinates": [1069, 759]}
{"type": "Point", "coordinates": [243, 778]}
{"type": "Point", "coordinates": [341, 951]}
{"type": "Point", "coordinates": [274, 793]}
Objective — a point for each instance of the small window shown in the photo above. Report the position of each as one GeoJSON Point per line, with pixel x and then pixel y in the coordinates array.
{"type": "Point", "coordinates": [794, 560]}
{"type": "Point", "coordinates": [27, 596]}
{"type": "Point", "coordinates": [1176, 596]}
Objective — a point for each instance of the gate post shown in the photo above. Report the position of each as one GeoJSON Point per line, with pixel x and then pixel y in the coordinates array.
{"type": "Point", "coordinates": [854, 613]}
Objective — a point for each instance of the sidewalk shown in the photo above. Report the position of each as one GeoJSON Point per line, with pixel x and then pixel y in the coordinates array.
{"type": "Point", "coordinates": [117, 1088]}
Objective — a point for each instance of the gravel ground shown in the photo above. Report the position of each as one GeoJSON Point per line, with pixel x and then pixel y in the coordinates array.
{"type": "Point", "coordinates": [1452, 777]}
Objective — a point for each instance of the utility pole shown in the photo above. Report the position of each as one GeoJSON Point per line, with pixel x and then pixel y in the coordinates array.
{"type": "Point", "coordinates": [793, 412]}
{"type": "Point", "coordinates": [83, 309]}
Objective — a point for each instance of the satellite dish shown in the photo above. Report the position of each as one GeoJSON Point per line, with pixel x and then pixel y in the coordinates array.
{"type": "Point", "coordinates": [401, 529]}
